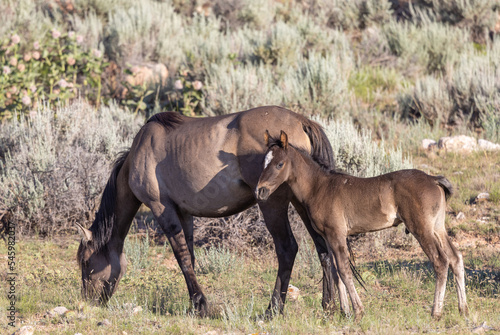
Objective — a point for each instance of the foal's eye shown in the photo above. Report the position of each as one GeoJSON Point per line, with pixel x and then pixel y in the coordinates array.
{"type": "Point", "coordinates": [279, 165]}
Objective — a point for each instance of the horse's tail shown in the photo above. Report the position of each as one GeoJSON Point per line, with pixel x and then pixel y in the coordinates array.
{"type": "Point", "coordinates": [322, 151]}
{"type": "Point", "coordinates": [445, 185]}
{"type": "Point", "coordinates": [105, 217]}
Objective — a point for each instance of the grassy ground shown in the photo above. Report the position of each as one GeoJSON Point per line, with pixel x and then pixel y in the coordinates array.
{"type": "Point", "coordinates": [152, 297]}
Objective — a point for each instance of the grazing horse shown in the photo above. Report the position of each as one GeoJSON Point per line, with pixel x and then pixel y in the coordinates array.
{"type": "Point", "coordinates": [182, 167]}
{"type": "Point", "coordinates": [339, 205]}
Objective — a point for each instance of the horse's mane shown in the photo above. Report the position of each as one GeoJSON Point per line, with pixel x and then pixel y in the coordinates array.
{"type": "Point", "coordinates": [169, 120]}
{"type": "Point", "coordinates": [105, 218]}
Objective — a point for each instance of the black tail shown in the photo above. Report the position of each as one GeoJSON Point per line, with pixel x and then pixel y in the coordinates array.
{"type": "Point", "coordinates": [322, 151]}
{"type": "Point", "coordinates": [445, 185]}
{"type": "Point", "coordinates": [105, 216]}
{"type": "Point", "coordinates": [352, 265]}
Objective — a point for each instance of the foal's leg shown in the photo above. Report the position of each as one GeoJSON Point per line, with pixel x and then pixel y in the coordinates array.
{"type": "Point", "coordinates": [432, 245]}
{"type": "Point", "coordinates": [330, 274]}
{"type": "Point", "coordinates": [169, 220]}
{"type": "Point", "coordinates": [457, 266]}
{"type": "Point", "coordinates": [275, 211]}
{"type": "Point", "coordinates": [337, 243]}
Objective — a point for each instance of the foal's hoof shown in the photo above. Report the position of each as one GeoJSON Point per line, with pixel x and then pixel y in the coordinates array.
{"type": "Point", "coordinates": [436, 316]}
{"type": "Point", "coordinates": [464, 311]}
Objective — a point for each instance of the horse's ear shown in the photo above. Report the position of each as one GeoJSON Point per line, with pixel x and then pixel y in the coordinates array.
{"type": "Point", "coordinates": [266, 137]}
{"type": "Point", "coordinates": [84, 233]}
{"type": "Point", "coordinates": [284, 140]}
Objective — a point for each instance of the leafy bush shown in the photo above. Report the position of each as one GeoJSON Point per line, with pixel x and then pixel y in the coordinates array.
{"type": "Point", "coordinates": [55, 69]}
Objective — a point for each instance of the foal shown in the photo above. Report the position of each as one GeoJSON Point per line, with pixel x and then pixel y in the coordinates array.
{"type": "Point", "coordinates": [339, 205]}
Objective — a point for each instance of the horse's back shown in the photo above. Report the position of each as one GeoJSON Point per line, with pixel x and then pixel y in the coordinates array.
{"type": "Point", "coordinates": [207, 166]}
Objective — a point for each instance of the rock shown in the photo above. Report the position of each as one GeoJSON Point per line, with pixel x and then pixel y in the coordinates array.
{"type": "Point", "coordinates": [482, 197]}
{"type": "Point", "coordinates": [137, 309]}
{"type": "Point", "coordinates": [59, 310]}
{"type": "Point", "coordinates": [104, 322]}
{"type": "Point", "coordinates": [428, 144]}
{"type": "Point", "coordinates": [460, 144]}
{"type": "Point", "coordinates": [293, 292]}
{"type": "Point", "coordinates": [26, 330]}
{"type": "Point", "coordinates": [487, 145]}
{"type": "Point", "coordinates": [461, 216]}
{"type": "Point", "coordinates": [147, 74]}
{"type": "Point", "coordinates": [481, 329]}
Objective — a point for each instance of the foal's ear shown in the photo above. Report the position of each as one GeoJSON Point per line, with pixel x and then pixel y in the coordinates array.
{"type": "Point", "coordinates": [284, 140]}
{"type": "Point", "coordinates": [266, 137]}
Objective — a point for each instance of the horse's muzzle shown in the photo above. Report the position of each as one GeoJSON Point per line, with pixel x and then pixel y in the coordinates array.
{"type": "Point", "coordinates": [262, 193]}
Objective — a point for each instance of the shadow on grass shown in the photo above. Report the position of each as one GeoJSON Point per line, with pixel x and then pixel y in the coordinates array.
{"type": "Point", "coordinates": [484, 282]}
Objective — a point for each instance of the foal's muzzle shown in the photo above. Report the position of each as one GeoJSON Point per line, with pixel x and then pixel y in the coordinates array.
{"type": "Point", "coordinates": [262, 193]}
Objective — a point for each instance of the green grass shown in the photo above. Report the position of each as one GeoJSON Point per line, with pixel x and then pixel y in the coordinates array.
{"type": "Point", "coordinates": [398, 297]}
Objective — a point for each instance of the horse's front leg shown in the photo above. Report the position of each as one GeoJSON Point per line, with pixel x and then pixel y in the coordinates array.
{"type": "Point", "coordinates": [172, 225]}
{"type": "Point", "coordinates": [337, 243]}
{"type": "Point", "coordinates": [276, 217]}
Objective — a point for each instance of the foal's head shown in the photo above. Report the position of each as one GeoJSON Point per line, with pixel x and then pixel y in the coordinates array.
{"type": "Point", "coordinates": [101, 269]}
{"type": "Point", "coordinates": [276, 166]}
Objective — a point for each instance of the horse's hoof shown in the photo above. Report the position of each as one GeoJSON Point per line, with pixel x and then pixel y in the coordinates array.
{"type": "Point", "coordinates": [200, 305]}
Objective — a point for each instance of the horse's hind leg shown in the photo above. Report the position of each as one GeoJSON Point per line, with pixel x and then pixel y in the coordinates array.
{"type": "Point", "coordinates": [275, 211]}
{"type": "Point", "coordinates": [433, 247]}
{"type": "Point", "coordinates": [170, 221]}
{"type": "Point", "coordinates": [331, 278]}
{"type": "Point", "coordinates": [457, 266]}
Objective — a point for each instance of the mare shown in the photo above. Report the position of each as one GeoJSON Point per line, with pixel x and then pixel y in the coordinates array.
{"type": "Point", "coordinates": [339, 205]}
{"type": "Point", "coordinates": [182, 167]}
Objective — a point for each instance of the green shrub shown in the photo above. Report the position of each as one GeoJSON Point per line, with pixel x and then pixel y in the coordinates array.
{"type": "Point", "coordinates": [356, 153]}
{"type": "Point", "coordinates": [54, 164]}
{"type": "Point", "coordinates": [429, 98]}
{"type": "Point", "coordinates": [54, 69]}
{"type": "Point", "coordinates": [136, 248]}
{"type": "Point", "coordinates": [215, 260]}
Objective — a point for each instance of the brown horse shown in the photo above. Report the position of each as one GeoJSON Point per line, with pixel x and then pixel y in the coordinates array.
{"type": "Point", "coordinates": [182, 167]}
{"type": "Point", "coordinates": [339, 205]}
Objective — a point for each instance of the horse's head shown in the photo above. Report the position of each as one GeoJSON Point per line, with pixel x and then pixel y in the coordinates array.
{"type": "Point", "coordinates": [276, 166]}
{"type": "Point", "coordinates": [101, 269]}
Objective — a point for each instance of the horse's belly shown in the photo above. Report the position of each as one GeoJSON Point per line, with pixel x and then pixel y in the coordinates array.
{"type": "Point", "coordinates": [223, 194]}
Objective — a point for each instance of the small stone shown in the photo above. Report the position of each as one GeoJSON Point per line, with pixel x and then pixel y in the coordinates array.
{"type": "Point", "coordinates": [293, 292]}
{"type": "Point", "coordinates": [482, 197]}
{"type": "Point", "coordinates": [481, 329]}
{"type": "Point", "coordinates": [137, 309]}
{"type": "Point", "coordinates": [26, 330]}
{"type": "Point", "coordinates": [461, 216]}
{"type": "Point", "coordinates": [59, 310]}
{"type": "Point", "coordinates": [428, 144]}
{"type": "Point", "coordinates": [104, 322]}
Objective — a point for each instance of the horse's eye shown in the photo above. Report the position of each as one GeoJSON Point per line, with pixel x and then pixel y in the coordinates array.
{"type": "Point", "coordinates": [279, 165]}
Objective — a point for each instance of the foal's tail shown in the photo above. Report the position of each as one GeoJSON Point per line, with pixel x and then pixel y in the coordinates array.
{"type": "Point", "coordinates": [105, 217]}
{"type": "Point", "coordinates": [445, 185]}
